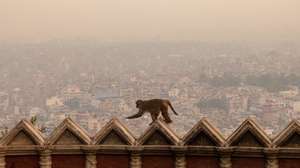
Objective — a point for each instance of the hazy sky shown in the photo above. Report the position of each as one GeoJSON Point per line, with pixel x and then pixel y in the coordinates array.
{"type": "Point", "coordinates": [128, 20]}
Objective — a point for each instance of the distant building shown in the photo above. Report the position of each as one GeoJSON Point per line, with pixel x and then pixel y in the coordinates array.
{"type": "Point", "coordinates": [292, 92]}
{"type": "Point", "coordinates": [54, 102]}
{"type": "Point", "coordinates": [106, 93]}
{"type": "Point", "coordinates": [72, 89]}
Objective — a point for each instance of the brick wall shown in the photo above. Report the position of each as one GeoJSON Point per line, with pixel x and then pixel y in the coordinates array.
{"type": "Point", "coordinates": [114, 146]}
{"type": "Point", "coordinates": [22, 161]}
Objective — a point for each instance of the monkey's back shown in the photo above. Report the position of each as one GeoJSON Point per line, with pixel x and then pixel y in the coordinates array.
{"type": "Point", "coordinates": [155, 103]}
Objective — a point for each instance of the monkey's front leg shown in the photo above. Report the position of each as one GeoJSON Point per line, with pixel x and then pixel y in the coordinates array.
{"type": "Point", "coordinates": [154, 117]}
{"type": "Point", "coordinates": [137, 115]}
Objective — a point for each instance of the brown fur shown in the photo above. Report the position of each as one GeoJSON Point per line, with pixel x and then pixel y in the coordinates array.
{"type": "Point", "coordinates": [154, 107]}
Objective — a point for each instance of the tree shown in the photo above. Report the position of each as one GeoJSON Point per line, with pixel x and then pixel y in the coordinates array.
{"type": "Point", "coordinates": [34, 122]}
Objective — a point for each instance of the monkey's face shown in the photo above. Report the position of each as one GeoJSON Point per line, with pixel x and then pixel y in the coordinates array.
{"type": "Point", "coordinates": [139, 103]}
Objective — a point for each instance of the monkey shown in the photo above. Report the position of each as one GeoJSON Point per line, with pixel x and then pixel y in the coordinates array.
{"type": "Point", "coordinates": [154, 107]}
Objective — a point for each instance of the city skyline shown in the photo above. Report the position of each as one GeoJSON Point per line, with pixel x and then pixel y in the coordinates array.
{"type": "Point", "coordinates": [76, 79]}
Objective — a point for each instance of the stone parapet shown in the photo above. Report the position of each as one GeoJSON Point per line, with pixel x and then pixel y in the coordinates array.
{"type": "Point", "coordinates": [203, 141]}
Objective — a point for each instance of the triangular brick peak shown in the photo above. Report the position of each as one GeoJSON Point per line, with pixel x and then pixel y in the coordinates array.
{"type": "Point", "coordinates": [68, 138]}
{"type": "Point", "coordinates": [158, 138]}
{"type": "Point", "coordinates": [24, 134]}
{"type": "Point", "coordinates": [293, 141]}
{"type": "Point", "coordinates": [22, 138]}
{"type": "Point", "coordinates": [158, 134]}
{"type": "Point", "coordinates": [201, 139]}
{"type": "Point", "coordinates": [289, 137]}
{"type": "Point", "coordinates": [249, 134]}
{"type": "Point", "coordinates": [203, 134]}
{"type": "Point", "coordinates": [248, 139]}
{"type": "Point", "coordinates": [69, 133]}
{"type": "Point", "coordinates": [114, 133]}
{"type": "Point", "coordinates": [113, 138]}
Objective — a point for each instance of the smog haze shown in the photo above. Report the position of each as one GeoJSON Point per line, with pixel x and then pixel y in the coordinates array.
{"type": "Point", "coordinates": [92, 59]}
{"type": "Point", "coordinates": [143, 20]}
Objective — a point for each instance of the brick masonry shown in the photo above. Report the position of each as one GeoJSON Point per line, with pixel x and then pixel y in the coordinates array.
{"type": "Point", "coordinates": [114, 146]}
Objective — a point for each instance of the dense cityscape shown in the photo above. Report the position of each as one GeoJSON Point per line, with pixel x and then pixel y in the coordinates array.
{"type": "Point", "coordinates": [91, 82]}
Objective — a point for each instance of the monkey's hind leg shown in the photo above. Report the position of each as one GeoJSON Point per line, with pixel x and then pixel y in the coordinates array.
{"type": "Point", "coordinates": [166, 116]}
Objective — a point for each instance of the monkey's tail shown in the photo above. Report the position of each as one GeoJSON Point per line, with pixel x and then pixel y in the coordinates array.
{"type": "Point", "coordinates": [169, 103]}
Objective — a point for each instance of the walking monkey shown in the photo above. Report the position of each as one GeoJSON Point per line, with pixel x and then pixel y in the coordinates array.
{"type": "Point", "coordinates": [154, 107]}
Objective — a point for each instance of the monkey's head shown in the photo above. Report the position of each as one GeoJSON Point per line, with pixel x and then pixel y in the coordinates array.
{"type": "Point", "coordinates": [139, 103]}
